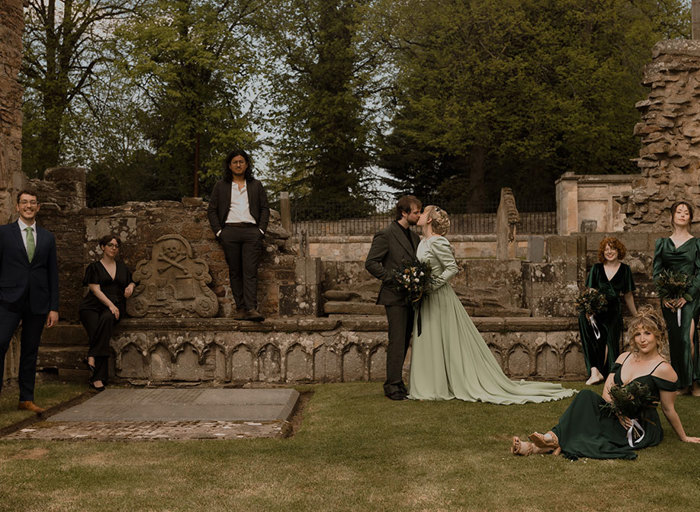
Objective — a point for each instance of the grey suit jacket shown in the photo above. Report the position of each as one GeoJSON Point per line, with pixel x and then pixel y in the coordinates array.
{"type": "Point", "coordinates": [389, 249]}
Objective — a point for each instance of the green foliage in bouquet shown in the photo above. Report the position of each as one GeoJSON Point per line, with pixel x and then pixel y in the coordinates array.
{"type": "Point", "coordinates": [413, 280]}
{"type": "Point", "coordinates": [673, 285]}
{"type": "Point", "coordinates": [630, 400]}
{"type": "Point", "coordinates": [591, 301]}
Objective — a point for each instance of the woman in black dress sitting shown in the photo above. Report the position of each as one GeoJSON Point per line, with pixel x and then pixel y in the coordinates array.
{"type": "Point", "coordinates": [109, 285]}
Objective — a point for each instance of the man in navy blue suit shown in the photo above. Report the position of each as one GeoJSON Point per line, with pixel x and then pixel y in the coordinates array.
{"type": "Point", "coordinates": [28, 291]}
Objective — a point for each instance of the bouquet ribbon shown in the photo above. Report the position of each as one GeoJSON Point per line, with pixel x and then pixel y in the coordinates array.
{"type": "Point", "coordinates": [678, 314]}
{"type": "Point", "coordinates": [636, 428]}
{"type": "Point", "coordinates": [417, 305]}
{"type": "Point", "coordinates": [594, 326]}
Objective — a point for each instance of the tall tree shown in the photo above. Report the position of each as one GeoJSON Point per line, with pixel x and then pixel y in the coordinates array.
{"type": "Point", "coordinates": [191, 62]}
{"type": "Point", "coordinates": [322, 70]}
{"type": "Point", "coordinates": [493, 93]}
{"type": "Point", "coordinates": [64, 44]}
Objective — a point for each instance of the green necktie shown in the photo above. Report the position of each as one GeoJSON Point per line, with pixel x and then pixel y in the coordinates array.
{"type": "Point", "coordinates": [30, 243]}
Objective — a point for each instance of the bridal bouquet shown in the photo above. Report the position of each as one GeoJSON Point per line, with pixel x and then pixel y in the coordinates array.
{"type": "Point", "coordinates": [412, 280]}
{"type": "Point", "coordinates": [591, 302]}
{"type": "Point", "coordinates": [631, 400]}
{"type": "Point", "coordinates": [672, 285]}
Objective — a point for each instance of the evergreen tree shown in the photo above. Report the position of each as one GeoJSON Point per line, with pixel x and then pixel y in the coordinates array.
{"type": "Point", "coordinates": [493, 93]}
{"type": "Point", "coordinates": [321, 71]}
{"type": "Point", "coordinates": [190, 61]}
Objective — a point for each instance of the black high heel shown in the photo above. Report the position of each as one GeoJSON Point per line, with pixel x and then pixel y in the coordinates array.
{"type": "Point", "coordinates": [97, 388]}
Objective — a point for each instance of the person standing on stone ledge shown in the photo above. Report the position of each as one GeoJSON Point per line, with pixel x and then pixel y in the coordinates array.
{"type": "Point", "coordinates": [239, 214]}
{"type": "Point", "coordinates": [681, 253]}
{"type": "Point", "coordinates": [28, 291]}
{"type": "Point", "coordinates": [390, 247]}
{"type": "Point", "coordinates": [109, 285]}
{"type": "Point", "coordinates": [611, 277]}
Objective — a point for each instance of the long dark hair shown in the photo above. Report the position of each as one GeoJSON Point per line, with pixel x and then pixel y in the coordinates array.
{"type": "Point", "coordinates": [228, 174]}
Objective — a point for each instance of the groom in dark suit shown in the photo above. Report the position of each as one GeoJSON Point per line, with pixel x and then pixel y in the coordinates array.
{"type": "Point", "coordinates": [390, 247]}
{"type": "Point", "coordinates": [28, 291]}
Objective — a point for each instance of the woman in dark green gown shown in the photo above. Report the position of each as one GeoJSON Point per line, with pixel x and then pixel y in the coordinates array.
{"type": "Point", "coordinates": [612, 278]}
{"type": "Point", "coordinates": [681, 253]}
{"type": "Point", "coordinates": [584, 430]}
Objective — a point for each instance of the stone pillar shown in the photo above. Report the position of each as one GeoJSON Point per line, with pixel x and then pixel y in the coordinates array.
{"type": "Point", "coordinates": [507, 219]}
{"type": "Point", "coordinates": [11, 177]}
{"type": "Point", "coordinates": [567, 204]}
{"type": "Point", "coordinates": [286, 212]}
{"type": "Point", "coordinates": [670, 130]}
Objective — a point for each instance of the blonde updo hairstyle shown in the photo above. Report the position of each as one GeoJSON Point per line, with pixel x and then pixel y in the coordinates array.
{"type": "Point", "coordinates": [440, 221]}
{"type": "Point", "coordinates": [648, 318]}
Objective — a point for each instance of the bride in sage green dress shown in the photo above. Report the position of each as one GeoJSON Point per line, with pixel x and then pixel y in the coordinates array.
{"type": "Point", "coordinates": [449, 358]}
{"type": "Point", "coordinates": [587, 430]}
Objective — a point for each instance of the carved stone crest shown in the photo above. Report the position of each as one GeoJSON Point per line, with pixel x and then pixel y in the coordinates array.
{"type": "Point", "coordinates": [172, 283]}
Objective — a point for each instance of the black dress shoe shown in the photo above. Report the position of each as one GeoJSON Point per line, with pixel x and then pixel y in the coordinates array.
{"type": "Point", "coordinates": [397, 395]}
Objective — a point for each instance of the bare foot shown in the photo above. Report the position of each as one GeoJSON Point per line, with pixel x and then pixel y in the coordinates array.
{"type": "Point", "coordinates": [696, 389]}
{"type": "Point", "coordinates": [519, 447]}
{"type": "Point", "coordinates": [595, 378]}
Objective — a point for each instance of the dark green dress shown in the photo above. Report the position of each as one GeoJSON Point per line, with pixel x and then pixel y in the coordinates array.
{"type": "Point", "coordinates": [686, 259]}
{"type": "Point", "coordinates": [586, 431]}
{"type": "Point", "coordinates": [609, 322]}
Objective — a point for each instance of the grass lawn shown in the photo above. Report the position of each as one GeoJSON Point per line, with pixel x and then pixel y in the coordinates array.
{"type": "Point", "coordinates": [355, 450]}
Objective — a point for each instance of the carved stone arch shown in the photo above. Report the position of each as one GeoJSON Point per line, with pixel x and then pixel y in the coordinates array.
{"type": "Point", "coordinates": [547, 361]}
{"type": "Point", "coordinates": [353, 363]}
{"type": "Point", "coordinates": [573, 362]}
{"type": "Point", "coordinates": [296, 363]}
{"type": "Point", "coordinates": [242, 364]}
{"type": "Point", "coordinates": [161, 361]}
{"type": "Point", "coordinates": [377, 362]}
{"type": "Point", "coordinates": [519, 361]}
{"type": "Point", "coordinates": [130, 362]}
{"type": "Point", "coordinates": [269, 363]}
{"type": "Point", "coordinates": [326, 363]}
{"type": "Point", "coordinates": [497, 353]}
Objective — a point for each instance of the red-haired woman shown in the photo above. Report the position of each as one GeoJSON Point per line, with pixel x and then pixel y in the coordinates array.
{"type": "Point", "coordinates": [611, 277]}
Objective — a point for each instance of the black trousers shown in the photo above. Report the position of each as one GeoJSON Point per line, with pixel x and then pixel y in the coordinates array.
{"type": "Point", "coordinates": [99, 326]}
{"type": "Point", "coordinates": [32, 327]}
{"type": "Point", "coordinates": [243, 249]}
{"type": "Point", "coordinates": [400, 320]}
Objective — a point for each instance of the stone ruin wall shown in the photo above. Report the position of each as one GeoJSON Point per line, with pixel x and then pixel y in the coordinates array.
{"type": "Point", "coordinates": [11, 177]}
{"type": "Point", "coordinates": [670, 130]}
{"type": "Point", "coordinates": [283, 286]}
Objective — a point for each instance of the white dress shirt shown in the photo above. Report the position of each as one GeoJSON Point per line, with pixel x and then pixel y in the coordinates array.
{"type": "Point", "coordinates": [22, 227]}
{"type": "Point", "coordinates": [240, 209]}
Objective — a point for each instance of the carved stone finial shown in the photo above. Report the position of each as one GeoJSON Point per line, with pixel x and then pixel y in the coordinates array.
{"type": "Point", "coordinates": [172, 283]}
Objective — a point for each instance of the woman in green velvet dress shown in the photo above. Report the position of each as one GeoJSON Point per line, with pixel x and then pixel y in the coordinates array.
{"type": "Point", "coordinates": [585, 430]}
{"type": "Point", "coordinates": [681, 253]}
{"type": "Point", "coordinates": [449, 358]}
{"type": "Point", "coordinates": [612, 278]}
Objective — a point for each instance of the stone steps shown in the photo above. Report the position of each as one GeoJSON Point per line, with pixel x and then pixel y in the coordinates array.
{"type": "Point", "coordinates": [57, 356]}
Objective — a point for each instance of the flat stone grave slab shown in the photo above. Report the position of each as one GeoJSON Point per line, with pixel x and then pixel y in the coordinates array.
{"type": "Point", "coordinates": [195, 413]}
